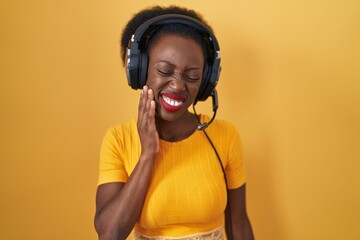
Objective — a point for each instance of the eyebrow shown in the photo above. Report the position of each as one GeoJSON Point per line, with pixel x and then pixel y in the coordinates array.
{"type": "Point", "coordinates": [169, 63]}
{"type": "Point", "coordinates": [164, 61]}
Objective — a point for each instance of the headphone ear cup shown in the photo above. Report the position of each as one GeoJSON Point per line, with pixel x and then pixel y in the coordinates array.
{"type": "Point", "coordinates": [204, 82]}
{"type": "Point", "coordinates": [143, 69]}
{"type": "Point", "coordinates": [132, 64]}
{"type": "Point", "coordinates": [211, 81]}
{"type": "Point", "coordinates": [136, 67]}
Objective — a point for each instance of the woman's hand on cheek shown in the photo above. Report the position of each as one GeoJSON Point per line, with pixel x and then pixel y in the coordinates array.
{"type": "Point", "coordinates": [146, 123]}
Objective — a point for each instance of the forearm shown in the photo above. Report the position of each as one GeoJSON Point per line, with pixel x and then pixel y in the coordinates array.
{"type": "Point", "coordinates": [241, 226]}
{"type": "Point", "coordinates": [118, 216]}
{"type": "Point", "coordinates": [242, 229]}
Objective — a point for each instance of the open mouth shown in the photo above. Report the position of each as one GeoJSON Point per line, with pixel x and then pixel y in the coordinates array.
{"type": "Point", "coordinates": [172, 102]}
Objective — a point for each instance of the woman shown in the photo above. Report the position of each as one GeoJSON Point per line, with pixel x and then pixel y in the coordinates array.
{"type": "Point", "coordinates": [162, 174]}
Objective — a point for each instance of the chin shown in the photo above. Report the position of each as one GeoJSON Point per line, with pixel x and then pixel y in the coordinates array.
{"type": "Point", "coordinates": [164, 115]}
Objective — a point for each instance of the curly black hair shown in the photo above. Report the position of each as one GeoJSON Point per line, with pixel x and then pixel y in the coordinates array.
{"type": "Point", "coordinates": [148, 13]}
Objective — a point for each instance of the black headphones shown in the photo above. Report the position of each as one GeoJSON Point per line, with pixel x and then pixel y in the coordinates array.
{"type": "Point", "coordinates": [137, 57]}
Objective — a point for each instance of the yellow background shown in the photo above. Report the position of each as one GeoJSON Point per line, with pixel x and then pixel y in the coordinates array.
{"type": "Point", "coordinates": [290, 82]}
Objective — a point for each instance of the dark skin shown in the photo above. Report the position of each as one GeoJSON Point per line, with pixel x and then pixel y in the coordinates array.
{"type": "Point", "coordinates": [175, 67]}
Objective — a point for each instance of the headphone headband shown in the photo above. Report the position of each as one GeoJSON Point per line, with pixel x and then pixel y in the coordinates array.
{"type": "Point", "coordinates": [174, 19]}
{"type": "Point", "coordinates": [137, 58]}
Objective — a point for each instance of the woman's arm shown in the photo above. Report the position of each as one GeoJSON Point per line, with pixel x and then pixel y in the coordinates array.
{"type": "Point", "coordinates": [241, 226]}
{"type": "Point", "coordinates": [119, 205]}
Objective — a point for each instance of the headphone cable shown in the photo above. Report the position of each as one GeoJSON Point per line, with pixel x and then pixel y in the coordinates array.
{"type": "Point", "coordinates": [228, 227]}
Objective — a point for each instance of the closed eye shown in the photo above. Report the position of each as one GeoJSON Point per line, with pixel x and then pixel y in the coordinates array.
{"type": "Point", "coordinates": [164, 73]}
{"type": "Point", "coordinates": [192, 78]}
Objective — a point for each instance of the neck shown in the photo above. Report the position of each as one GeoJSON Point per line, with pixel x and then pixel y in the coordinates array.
{"type": "Point", "coordinates": [178, 130]}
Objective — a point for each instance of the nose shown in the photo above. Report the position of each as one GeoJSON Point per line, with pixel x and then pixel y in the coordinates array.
{"type": "Point", "coordinates": [177, 83]}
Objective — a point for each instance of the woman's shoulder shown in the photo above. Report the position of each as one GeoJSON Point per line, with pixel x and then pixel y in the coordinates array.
{"type": "Point", "coordinates": [131, 123]}
{"type": "Point", "coordinates": [221, 129]}
{"type": "Point", "coordinates": [122, 129]}
{"type": "Point", "coordinates": [218, 124]}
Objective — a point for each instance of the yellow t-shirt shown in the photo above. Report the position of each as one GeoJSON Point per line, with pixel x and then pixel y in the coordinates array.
{"type": "Point", "coordinates": [187, 193]}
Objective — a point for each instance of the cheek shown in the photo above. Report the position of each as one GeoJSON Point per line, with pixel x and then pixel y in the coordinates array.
{"type": "Point", "coordinates": [154, 83]}
{"type": "Point", "coordinates": [151, 78]}
{"type": "Point", "coordinates": [196, 87]}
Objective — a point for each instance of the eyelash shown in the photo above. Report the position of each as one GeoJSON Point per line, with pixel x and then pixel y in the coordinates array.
{"type": "Point", "coordinates": [187, 78]}
{"type": "Point", "coordinates": [167, 74]}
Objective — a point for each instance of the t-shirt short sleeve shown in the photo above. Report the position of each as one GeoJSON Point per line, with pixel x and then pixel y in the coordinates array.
{"type": "Point", "coordinates": [235, 170]}
{"type": "Point", "coordinates": [111, 166]}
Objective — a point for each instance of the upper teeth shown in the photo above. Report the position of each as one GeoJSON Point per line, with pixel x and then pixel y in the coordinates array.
{"type": "Point", "coordinates": [172, 102]}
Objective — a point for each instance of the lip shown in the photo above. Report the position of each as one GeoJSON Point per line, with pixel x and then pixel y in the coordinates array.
{"type": "Point", "coordinates": [174, 96]}
{"type": "Point", "coordinates": [172, 108]}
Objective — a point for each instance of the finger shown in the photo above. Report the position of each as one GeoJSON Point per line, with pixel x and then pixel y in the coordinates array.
{"type": "Point", "coordinates": [142, 104]}
{"type": "Point", "coordinates": [151, 104]}
{"type": "Point", "coordinates": [149, 120]}
{"type": "Point", "coordinates": [151, 114]}
{"type": "Point", "coordinates": [143, 97]}
{"type": "Point", "coordinates": [150, 97]}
